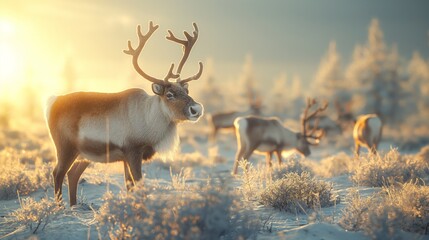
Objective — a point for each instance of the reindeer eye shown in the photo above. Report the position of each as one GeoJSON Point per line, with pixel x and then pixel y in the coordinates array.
{"type": "Point", "coordinates": [169, 95]}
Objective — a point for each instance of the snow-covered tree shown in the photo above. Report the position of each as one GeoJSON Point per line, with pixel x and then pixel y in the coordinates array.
{"type": "Point", "coordinates": [210, 94]}
{"type": "Point", "coordinates": [279, 95]}
{"type": "Point", "coordinates": [329, 80]}
{"type": "Point", "coordinates": [246, 86]}
{"type": "Point", "coordinates": [374, 75]}
{"type": "Point", "coordinates": [418, 85]}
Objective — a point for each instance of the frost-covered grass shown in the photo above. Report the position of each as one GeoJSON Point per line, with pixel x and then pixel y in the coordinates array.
{"type": "Point", "coordinates": [335, 165]}
{"type": "Point", "coordinates": [186, 198]}
{"type": "Point", "coordinates": [383, 169]}
{"type": "Point", "coordinates": [34, 215]}
{"type": "Point", "coordinates": [206, 213]}
{"type": "Point", "coordinates": [22, 172]}
{"type": "Point", "coordinates": [255, 179]}
{"type": "Point", "coordinates": [296, 193]}
{"type": "Point", "coordinates": [405, 206]}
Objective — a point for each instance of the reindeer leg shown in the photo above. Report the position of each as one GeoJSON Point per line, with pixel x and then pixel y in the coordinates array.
{"type": "Point", "coordinates": [238, 158]}
{"type": "Point", "coordinates": [357, 149]}
{"type": "Point", "coordinates": [213, 135]}
{"type": "Point", "coordinates": [73, 176]}
{"type": "Point", "coordinates": [129, 183]}
{"type": "Point", "coordinates": [249, 152]}
{"type": "Point", "coordinates": [279, 156]}
{"type": "Point", "coordinates": [66, 154]}
{"type": "Point", "coordinates": [134, 162]}
{"type": "Point", "coordinates": [268, 159]}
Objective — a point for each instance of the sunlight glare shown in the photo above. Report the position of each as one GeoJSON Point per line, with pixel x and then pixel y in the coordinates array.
{"type": "Point", "coordinates": [9, 56]}
{"type": "Point", "coordinates": [9, 64]}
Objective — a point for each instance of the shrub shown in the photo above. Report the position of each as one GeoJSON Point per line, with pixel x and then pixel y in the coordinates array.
{"type": "Point", "coordinates": [383, 169]}
{"type": "Point", "coordinates": [34, 214]}
{"type": "Point", "coordinates": [335, 165]}
{"type": "Point", "coordinates": [403, 207]}
{"type": "Point", "coordinates": [291, 164]}
{"type": "Point", "coordinates": [205, 214]}
{"type": "Point", "coordinates": [18, 176]}
{"type": "Point", "coordinates": [256, 179]}
{"type": "Point", "coordinates": [297, 193]}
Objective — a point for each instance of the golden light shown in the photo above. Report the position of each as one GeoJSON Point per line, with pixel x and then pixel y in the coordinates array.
{"type": "Point", "coordinates": [10, 64]}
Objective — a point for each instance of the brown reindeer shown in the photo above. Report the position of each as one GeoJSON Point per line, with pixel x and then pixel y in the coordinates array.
{"type": "Point", "coordinates": [268, 136]}
{"type": "Point", "coordinates": [128, 126]}
{"type": "Point", "coordinates": [367, 132]}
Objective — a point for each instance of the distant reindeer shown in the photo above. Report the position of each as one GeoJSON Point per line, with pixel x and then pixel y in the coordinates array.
{"type": "Point", "coordinates": [225, 120]}
{"type": "Point", "coordinates": [367, 132]}
{"type": "Point", "coordinates": [128, 126]}
{"type": "Point", "coordinates": [268, 135]}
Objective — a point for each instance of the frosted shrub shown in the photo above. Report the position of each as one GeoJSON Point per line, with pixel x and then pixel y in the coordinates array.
{"type": "Point", "coordinates": [205, 214]}
{"type": "Point", "coordinates": [253, 180]}
{"type": "Point", "coordinates": [291, 164]}
{"type": "Point", "coordinates": [423, 158]}
{"type": "Point", "coordinates": [383, 169]}
{"type": "Point", "coordinates": [297, 192]}
{"type": "Point", "coordinates": [403, 207]}
{"type": "Point", "coordinates": [35, 215]}
{"type": "Point", "coordinates": [412, 201]}
{"type": "Point", "coordinates": [23, 178]}
{"type": "Point", "coordinates": [335, 165]}
{"type": "Point", "coordinates": [256, 179]}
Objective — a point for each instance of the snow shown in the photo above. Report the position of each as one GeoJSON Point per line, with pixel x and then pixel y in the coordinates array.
{"type": "Point", "coordinates": [79, 223]}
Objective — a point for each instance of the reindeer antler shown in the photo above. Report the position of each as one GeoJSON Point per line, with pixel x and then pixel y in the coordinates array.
{"type": "Point", "coordinates": [306, 117]}
{"type": "Point", "coordinates": [187, 46]}
{"type": "Point", "coordinates": [135, 52]}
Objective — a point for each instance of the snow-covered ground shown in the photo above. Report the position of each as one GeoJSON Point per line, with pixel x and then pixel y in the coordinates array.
{"type": "Point", "coordinates": [79, 223]}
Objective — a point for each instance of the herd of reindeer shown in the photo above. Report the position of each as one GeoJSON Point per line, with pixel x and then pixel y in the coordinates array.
{"type": "Point", "coordinates": [131, 126]}
{"type": "Point", "coordinates": [267, 135]}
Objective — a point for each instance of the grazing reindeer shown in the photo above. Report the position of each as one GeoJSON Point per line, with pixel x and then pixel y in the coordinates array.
{"type": "Point", "coordinates": [128, 126]}
{"type": "Point", "coordinates": [367, 132]}
{"type": "Point", "coordinates": [268, 135]}
{"type": "Point", "coordinates": [225, 120]}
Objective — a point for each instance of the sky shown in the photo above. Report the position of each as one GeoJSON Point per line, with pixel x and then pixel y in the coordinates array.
{"type": "Point", "coordinates": [281, 36]}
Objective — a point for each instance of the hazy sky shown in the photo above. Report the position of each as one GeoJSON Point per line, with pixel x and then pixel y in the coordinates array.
{"type": "Point", "coordinates": [281, 36]}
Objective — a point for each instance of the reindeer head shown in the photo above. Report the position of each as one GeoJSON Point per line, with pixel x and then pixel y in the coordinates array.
{"type": "Point", "coordinates": [308, 136]}
{"type": "Point", "coordinates": [175, 95]}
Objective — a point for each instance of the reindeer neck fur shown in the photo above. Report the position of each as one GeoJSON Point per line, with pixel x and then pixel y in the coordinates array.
{"type": "Point", "coordinates": [290, 137]}
{"type": "Point", "coordinates": [155, 125]}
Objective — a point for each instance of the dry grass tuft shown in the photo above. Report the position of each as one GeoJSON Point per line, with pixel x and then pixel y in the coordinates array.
{"type": "Point", "coordinates": [35, 215]}
{"type": "Point", "coordinates": [384, 169]}
{"type": "Point", "coordinates": [335, 165]}
{"type": "Point", "coordinates": [405, 207]}
{"type": "Point", "coordinates": [207, 213]}
{"type": "Point", "coordinates": [22, 172]}
{"type": "Point", "coordinates": [296, 193]}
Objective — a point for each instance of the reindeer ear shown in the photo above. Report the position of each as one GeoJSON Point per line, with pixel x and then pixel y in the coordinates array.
{"type": "Point", "coordinates": [158, 89]}
{"type": "Point", "coordinates": [185, 86]}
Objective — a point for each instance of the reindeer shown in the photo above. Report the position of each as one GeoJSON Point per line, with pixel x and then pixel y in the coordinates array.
{"type": "Point", "coordinates": [268, 135]}
{"type": "Point", "coordinates": [225, 120]}
{"type": "Point", "coordinates": [367, 132]}
{"type": "Point", "coordinates": [128, 126]}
